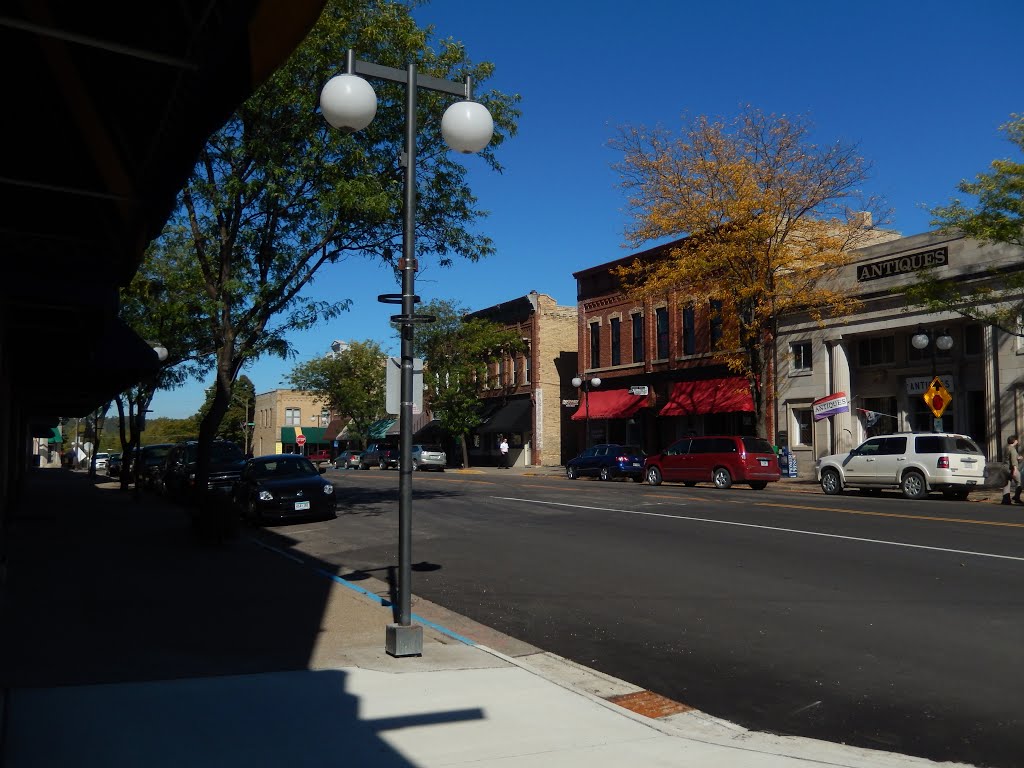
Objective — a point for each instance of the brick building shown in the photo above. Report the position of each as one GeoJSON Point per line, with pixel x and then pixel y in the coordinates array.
{"type": "Point", "coordinates": [525, 402]}
{"type": "Point", "coordinates": [282, 415]}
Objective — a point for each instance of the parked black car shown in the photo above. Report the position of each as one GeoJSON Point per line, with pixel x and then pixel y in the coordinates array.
{"type": "Point", "coordinates": [283, 486]}
{"type": "Point", "coordinates": [179, 468]}
{"type": "Point", "coordinates": [383, 454]}
{"type": "Point", "coordinates": [608, 461]}
{"type": "Point", "coordinates": [114, 465]}
{"type": "Point", "coordinates": [151, 465]}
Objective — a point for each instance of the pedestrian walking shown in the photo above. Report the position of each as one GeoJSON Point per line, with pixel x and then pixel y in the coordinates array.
{"type": "Point", "coordinates": [503, 448]}
{"type": "Point", "coordinates": [1013, 464]}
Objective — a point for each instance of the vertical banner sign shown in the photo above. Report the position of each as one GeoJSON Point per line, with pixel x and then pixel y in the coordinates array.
{"type": "Point", "coordinates": [834, 403]}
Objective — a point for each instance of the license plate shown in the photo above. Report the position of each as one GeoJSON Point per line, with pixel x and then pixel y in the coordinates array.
{"type": "Point", "coordinates": [301, 505]}
{"type": "Point", "coordinates": [763, 462]}
{"type": "Point", "coordinates": [636, 463]}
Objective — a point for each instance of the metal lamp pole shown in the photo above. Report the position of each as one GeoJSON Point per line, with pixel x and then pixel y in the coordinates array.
{"type": "Point", "coordinates": [348, 102]}
{"type": "Point", "coordinates": [586, 385]}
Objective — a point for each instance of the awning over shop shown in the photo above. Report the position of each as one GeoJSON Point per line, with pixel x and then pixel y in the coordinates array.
{"type": "Point", "coordinates": [313, 435]}
{"type": "Point", "coordinates": [334, 429]}
{"type": "Point", "coordinates": [379, 429]}
{"type": "Point", "coordinates": [420, 421]}
{"type": "Point", "coordinates": [609, 404]}
{"type": "Point", "coordinates": [514, 416]}
{"type": "Point", "coordinates": [55, 437]}
{"type": "Point", "coordinates": [696, 398]}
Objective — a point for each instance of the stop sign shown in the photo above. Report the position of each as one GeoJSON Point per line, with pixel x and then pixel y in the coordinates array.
{"type": "Point", "coordinates": [300, 440]}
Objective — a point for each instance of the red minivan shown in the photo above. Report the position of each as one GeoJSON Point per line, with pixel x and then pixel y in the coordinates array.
{"type": "Point", "coordinates": [722, 460]}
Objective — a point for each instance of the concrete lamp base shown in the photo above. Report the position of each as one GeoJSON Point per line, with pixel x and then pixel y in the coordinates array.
{"type": "Point", "coordinates": [404, 640]}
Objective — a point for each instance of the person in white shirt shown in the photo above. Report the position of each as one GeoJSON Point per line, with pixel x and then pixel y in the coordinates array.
{"type": "Point", "coordinates": [503, 447]}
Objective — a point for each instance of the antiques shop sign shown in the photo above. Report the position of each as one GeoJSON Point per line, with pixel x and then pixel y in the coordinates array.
{"type": "Point", "coordinates": [901, 265]}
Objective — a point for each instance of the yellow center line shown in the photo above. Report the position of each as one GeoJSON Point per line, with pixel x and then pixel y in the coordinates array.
{"type": "Point", "coordinates": [892, 514]}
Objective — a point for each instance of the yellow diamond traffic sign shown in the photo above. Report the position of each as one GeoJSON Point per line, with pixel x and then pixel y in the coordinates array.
{"type": "Point", "coordinates": [937, 397]}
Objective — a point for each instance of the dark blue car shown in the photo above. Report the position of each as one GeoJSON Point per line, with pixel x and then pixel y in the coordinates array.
{"type": "Point", "coordinates": [608, 461]}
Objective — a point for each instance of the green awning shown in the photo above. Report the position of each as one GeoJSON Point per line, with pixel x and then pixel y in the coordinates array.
{"type": "Point", "coordinates": [55, 437]}
{"type": "Point", "coordinates": [313, 435]}
{"type": "Point", "coordinates": [379, 429]}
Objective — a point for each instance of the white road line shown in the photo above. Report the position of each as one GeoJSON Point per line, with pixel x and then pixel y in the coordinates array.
{"type": "Point", "coordinates": [767, 528]}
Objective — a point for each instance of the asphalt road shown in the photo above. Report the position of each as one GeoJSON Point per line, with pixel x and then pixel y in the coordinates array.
{"type": "Point", "coordinates": [880, 622]}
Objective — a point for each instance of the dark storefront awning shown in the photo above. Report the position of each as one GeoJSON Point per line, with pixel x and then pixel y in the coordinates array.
{"type": "Point", "coordinates": [379, 429]}
{"type": "Point", "coordinates": [420, 421]}
{"type": "Point", "coordinates": [609, 404]}
{"type": "Point", "coordinates": [697, 398]}
{"type": "Point", "coordinates": [314, 435]}
{"type": "Point", "coordinates": [514, 416]}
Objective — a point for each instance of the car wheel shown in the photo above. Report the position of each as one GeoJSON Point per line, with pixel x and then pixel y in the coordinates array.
{"type": "Point", "coordinates": [653, 476]}
{"type": "Point", "coordinates": [759, 486]}
{"type": "Point", "coordinates": [721, 478]}
{"type": "Point", "coordinates": [605, 474]}
{"type": "Point", "coordinates": [415, 465]}
{"type": "Point", "coordinates": [572, 473]}
{"type": "Point", "coordinates": [831, 482]}
{"type": "Point", "coordinates": [914, 485]}
{"type": "Point", "coordinates": [383, 464]}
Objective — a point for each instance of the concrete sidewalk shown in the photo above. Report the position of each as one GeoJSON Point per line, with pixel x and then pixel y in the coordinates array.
{"type": "Point", "coordinates": [128, 643]}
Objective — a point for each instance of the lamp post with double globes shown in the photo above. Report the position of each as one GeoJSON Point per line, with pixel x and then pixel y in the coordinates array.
{"type": "Point", "coordinates": [586, 385]}
{"type": "Point", "coordinates": [927, 339]}
{"type": "Point", "coordinates": [348, 102]}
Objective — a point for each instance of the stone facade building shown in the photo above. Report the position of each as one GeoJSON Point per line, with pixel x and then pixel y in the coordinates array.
{"type": "Point", "coordinates": [525, 404]}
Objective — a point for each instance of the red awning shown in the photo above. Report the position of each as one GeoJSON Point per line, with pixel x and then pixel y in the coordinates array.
{"type": "Point", "coordinates": [610, 404]}
{"type": "Point", "coordinates": [695, 398]}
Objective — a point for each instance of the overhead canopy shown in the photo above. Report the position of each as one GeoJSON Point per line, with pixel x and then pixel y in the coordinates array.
{"type": "Point", "coordinates": [514, 416]}
{"type": "Point", "coordinates": [312, 434]}
{"type": "Point", "coordinates": [420, 421]}
{"type": "Point", "coordinates": [696, 398]}
{"type": "Point", "coordinates": [609, 404]}
{"type": "Point", "coordinates": [112, 108]}
{"type": "Point", "coordinates": [379, 429]}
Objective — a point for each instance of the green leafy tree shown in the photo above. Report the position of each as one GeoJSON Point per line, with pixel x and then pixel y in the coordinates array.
{"type": "Point", "coordinates": [241, 411]}
{"type": "Point", "coordinates": [767, 218]}
{"type": "Point", "coordinates": [277, 194]}
{"type": "Point", "coordinates": [996, 216]}
{"type": "Point", "coordinates": [351, 381]}
{"type": "Point", "coordinates": [458, 354]}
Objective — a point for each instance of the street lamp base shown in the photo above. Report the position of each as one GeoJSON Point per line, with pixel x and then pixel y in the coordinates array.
{"type": "Point", "coordinates": [404, 640]}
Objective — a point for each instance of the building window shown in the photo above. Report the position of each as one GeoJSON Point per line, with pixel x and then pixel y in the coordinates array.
{"type": "Point", "coordinates": [616, 332]}
{"type": "Point", "coordinates": [638, 338]}
{"type": "Point", "coordinates": [689, 331]}
{"type": "Point", "coordinates": [803, 422]}
{"type": "Point", "coordinates": [595, 345]}
{"type": "Point", "coordinates": [715, 326]}
{"type": "Point", "coordinates": [515, 371]}
{"type": "Point", "coordinates": [501, 373]}
{"type": "Point", "coordinates": [293, 417]}
{"type": "Point", "coordinates": [661, 317]}
{"type": "Point", "coordinates": [878, 350]}
{"type": "Point", "coordinates": [974, 340]}
{"type": "Point", "coordinates": [528, 371]}
{"type": "Point", "coordinates": [802, 356]}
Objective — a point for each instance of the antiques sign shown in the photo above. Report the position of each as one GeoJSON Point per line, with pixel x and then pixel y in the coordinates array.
{"type": "Point", "coordinates": [901, 265]}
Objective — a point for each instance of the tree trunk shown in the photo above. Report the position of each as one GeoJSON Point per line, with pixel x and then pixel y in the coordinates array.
{"type": "Point", "coordinates": [465, 452]}
{"type": "Point", "coordinates": [211, 516]}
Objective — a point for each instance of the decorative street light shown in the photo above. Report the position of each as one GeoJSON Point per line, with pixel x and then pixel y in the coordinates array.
{"type": "Point", "coordinates": [925, 339]}
{"type": "Point", "coordinates": [586, 385]}
{"type": "Point", "coordinates": [348, 102]}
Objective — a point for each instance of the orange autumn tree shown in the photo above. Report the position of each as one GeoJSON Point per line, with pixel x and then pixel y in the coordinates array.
{"type": "Point", "coordinates": [767, 218]}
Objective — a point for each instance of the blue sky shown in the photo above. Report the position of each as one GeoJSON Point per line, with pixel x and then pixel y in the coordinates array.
{"type": "Point", "coordinates": [921, 88]}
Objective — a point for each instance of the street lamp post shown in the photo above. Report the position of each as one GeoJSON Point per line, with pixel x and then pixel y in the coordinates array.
{"type": "Point", "coordinates": [586, 385]}
{"type": "Point", "coordinates": [927, 339]}
{"type": "Point", "coordinates": [349, 102]}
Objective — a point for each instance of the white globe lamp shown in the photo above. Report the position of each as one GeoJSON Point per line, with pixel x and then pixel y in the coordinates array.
{"type": "Point", "coordinates": [348, 102]}
{"type": "Point", "coordinates": [467, 127]}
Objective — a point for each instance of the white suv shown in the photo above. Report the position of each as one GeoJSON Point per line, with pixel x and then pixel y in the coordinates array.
{"type": "Point", "coordinates": [915, 463]}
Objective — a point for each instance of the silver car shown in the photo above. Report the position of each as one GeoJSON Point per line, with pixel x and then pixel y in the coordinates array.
{"type": "Point", "coordinates": [429, 456]}
{"type": "Point", "coordinates": [913, 463]}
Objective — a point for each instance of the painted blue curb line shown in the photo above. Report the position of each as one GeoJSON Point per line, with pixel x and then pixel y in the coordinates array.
{"type": "Point", "coordinates": [366, 593]}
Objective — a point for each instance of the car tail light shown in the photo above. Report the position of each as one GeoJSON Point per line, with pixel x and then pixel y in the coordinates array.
{"type": "Point", "coordinates": [943, 462]}
{"type": "Point", "coordinates": [623, 457]}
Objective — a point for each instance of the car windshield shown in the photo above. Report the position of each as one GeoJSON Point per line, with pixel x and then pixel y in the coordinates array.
{"type": "Point", "coordinates": [289, 466]}
{"type": "Point", "coordinates": [629, 450]}
{"type": "Point", "coordinates": [757, 445]}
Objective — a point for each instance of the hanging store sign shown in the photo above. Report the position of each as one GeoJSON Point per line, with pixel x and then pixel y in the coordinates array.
{"type": "Point", "coordinates": [902, 265]}
{"type": "Point", "coordinates": [826, 406]}
{"type": "Point", "coordinates": [639, 390]}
